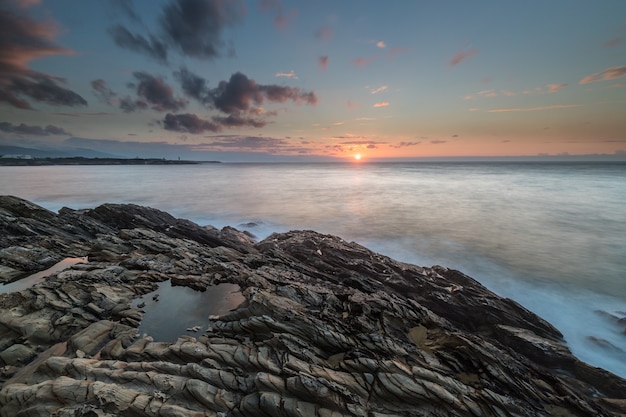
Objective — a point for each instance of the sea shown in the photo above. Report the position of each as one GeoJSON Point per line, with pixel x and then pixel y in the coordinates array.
{"type": "Point", "coordinates": [549, 235]}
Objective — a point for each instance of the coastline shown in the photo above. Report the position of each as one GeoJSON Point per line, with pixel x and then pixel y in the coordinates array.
{"type": "Point", "coordinates": [325, 325]}
{"type": "Point", "coordinates": [7, 161]}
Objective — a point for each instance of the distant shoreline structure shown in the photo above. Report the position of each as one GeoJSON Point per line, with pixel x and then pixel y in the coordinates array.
{"type": "Point", "coordinates": [22, 161]}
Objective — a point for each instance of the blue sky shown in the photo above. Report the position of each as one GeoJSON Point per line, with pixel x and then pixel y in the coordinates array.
{"type": "Point", "coordinates": [268, 78]}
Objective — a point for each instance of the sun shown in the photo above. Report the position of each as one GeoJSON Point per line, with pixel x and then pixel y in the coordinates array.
{"type": "Point", "coordinates": [357, 157]}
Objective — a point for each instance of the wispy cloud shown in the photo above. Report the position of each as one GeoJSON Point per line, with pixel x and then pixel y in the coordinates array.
{"type": "Point", "coordinates": [324, 33]}
{"type": "Point", "coordinates": [404, 144]}
{"type": "Point", "coordinates": [351, 104]}
{"type": "Point", "coordinates": [608, 74]}
{"type": "Point", "coordinates": [190, 27]}
{"type": "Point", "coordinates": [611, 43]}
{"type": "Point", "coordinates": [24, 129]}
{"type": "Point", "coordinates": [364, 61]}
{"type": "Point", "coordinates": [290, 74]}
{"type": "Point", "coordinates": [518, 109]}
{"type": "Point", "coordinates": [381, 44]}
{"type": "Point", "coordinates": [462, 56]}
{"type": "Point", "coordinates": [553, 88]}
{"type": "Point", "coordinates": [396, 51]}
{"type": "Point", "coordinates": [437, 142]}
{"type": "Point", "coordinates": [282, 19]}
{"type": "Point", "coordinates": [323, 62]}
{"type": "Point", "coordinates": [382, 104]}
{"type": "Point", "coordinates": [380, 89]}
{"type": "Point", "coordinates": [23, 40]}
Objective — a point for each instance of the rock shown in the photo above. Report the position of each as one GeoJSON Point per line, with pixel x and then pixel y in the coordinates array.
{"type": "Point", "coordinates": [327, 328]}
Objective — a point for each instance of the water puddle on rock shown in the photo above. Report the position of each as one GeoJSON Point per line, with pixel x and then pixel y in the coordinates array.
{"type": "Point", "coordinates": [29, 281]}
{"type": "Point", "coordinates": [171, 310]}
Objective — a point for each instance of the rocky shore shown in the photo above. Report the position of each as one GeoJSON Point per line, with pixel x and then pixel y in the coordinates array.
{"type": "Point", "coordinates": [321, 327]}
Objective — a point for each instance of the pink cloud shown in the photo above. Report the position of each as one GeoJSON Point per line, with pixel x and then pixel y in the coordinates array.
{"type": "Point", "coordinates": [517, 109]}
{"type": "Point", "coordinates": [290, 74]}
{"type": "Point", "coordinates": [323, 62]}
{"type": "Point", "coordinates": [462, 56]}
{"type": "Point", "coordinates": [382, 104]}
{"type": "Point", "coordinates": [352, 105]}
{"type": "Point", "coordinates": [395, 51]}
{"type": "Point", "coordinates": [553, 88]}
{"type": "Point", "coordinates": [613, 42]}
{"type": "Point", "coordinates": [381, 44]}
{"type": "Point", "coordinates": [608, 74]}
{"type": "Point", "coordinates": [281, 20]}
{"type": "Point", "coordinates": [364, 61]}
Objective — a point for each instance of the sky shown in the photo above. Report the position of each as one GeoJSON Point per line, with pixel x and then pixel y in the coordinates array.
{"type": "Point", "coordinates": [276, 79]}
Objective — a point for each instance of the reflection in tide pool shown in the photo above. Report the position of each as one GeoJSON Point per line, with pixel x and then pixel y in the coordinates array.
{"type": "Point", "coordinates": [38, 277]}
{"type": "Point", "coordinates": [171, 310]}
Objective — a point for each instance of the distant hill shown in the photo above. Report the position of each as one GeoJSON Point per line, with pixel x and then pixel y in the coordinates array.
{"type": "Point", "coordinates": [54, 153]}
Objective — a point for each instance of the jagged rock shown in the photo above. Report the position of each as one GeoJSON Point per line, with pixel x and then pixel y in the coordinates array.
{"type": "Point", "coordinates": [327, 328]}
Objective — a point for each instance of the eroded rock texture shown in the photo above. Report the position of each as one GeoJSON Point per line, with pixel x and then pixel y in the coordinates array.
{"type": "Point", "coordinates": [327, 328]}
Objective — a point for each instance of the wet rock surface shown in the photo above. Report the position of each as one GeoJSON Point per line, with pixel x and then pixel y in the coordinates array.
{"type": "Point", "coordinates": [326, 328]}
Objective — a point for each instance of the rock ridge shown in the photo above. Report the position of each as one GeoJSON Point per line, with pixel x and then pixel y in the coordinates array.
{"type": "Point", "coordinates": [327, 328]}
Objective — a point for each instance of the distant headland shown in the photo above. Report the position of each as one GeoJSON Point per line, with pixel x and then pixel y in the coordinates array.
{"type": "Point", "coordinates": [77, 160]}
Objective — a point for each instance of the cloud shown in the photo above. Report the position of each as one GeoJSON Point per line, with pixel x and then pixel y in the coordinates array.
{"type": "Point", "coordinates": [382, 104]}
{"type": "Point", "coordinates": [190, 27]}
{"type": "Point", "coordinates": [323, 62]}
{"type": "Point", "coordinates": [150, 46]}
{"type": "Point", "coordinates": [404, 144]}
{"type": "Point", "coordinates": [194, 86]}
{"type": "Point", "coordinates": [611, 43]}
{"type": "Point", "coordinates": [23, 129]}
{"type": "Point", "coordinates": [246, 142]}
{"type": "Point", "coordinates": [517, 109]}
{"type": "Point", "coordinates": [363, 142]}
{"type": "Point", "coordinates": [380, 89]}
{"type": "Point", "coordinates": [553, 88]}
{"type": "Point", "coordinates": [103, 92]}
{"type": "Point", "coordinates": [462, 56]}
{"type": "Point", "coordinates": [608, 74]}
{"type": "Point", "coordinates": [24, 4]}
{"type": "Point", "coordinates": [437, 142]}
{"type": "Point", "coordinates": [290, 74]}
{"type": "Point", "coordinates": [281, 20]}
{"type": "Point", "coordinates": [236, 120]}
{"type": "Point", "coordinates": [324, 33]}
{"type": "Point", "coordinates": [188, 123]}
{"type": "Point", "coordinates": [238, 93]}
{"type": "Point", "coordinates": [396, 51]}
{"type": "Point", "coordinates": [364, 61]}
{"type": "Point", "coordinates": [126, 7]}
{"type": "Point", "coordinates": [351, 104]}
{"type": "Point", "coordinates": [156, 93]}
{"type": "Point", "coordinates": [381, 44]}
{"type": "Point", "coordinates": [23, 40]}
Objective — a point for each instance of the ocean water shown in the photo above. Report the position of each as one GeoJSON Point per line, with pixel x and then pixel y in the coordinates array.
{"type": "Point", "coordinates": [551, 236]}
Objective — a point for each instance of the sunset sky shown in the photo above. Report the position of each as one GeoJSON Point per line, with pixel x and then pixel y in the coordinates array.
{"type": "Point", "coordinates": [257, 79]}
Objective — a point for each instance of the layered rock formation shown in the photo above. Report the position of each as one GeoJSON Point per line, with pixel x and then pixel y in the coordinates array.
{"type": "Point", "coordinates": [326, 328]}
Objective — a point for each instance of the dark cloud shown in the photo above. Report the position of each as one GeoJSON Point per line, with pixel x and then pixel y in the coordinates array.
{"type": "Point", "coordinates": [237, 94]}
{"type": "Point", "coordinates": [437, 142]}
{"type": "Point", "coordinates": [103, 92]}
{"type": "Point", "coordinates": [188, 123]}
{"type": "Point", "coordinates": [236, 120]}
{"type": "Point", "coordinates": [156, 93]}
{"type": "Point", "coordinates": [22, 40]}
{"type": "Point", "coordinates": [404, 144]}
{"type": "Point", "coordinates": [126, 7]}
{"type": "Point", "coordinates": [150, 46]}
{"type": "Point", "coordinates": [194, 86]}
{"type": "Point", "coordinates": [23, 129]}
{"type": "Point", "coordinates": [190, 27]}
{"type": "Point", "coordinates": [129, 105]}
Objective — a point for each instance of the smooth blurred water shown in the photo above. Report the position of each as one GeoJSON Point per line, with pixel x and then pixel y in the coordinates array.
{"type": "Point", "coordinates": [550, 235]}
